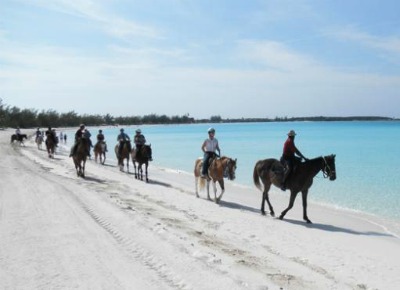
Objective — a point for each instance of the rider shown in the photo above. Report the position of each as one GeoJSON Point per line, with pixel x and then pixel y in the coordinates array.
{"type": "Point", "coordinates": [100, 139]}
{"type": "Point", "coordinates": [51, 135]}
{"type": "Point", "coordinates": [139, 141]}
{"type": "Point", "coordinates": [87, 135]}
{"type": "Point", "coordinates": [122, 139]}
{"type": "Point", "coordinates": [288, 157]}
{"type": "Point", "coordinates": [210, 145]}
{"type": "Point", "coordinates": [78, 137]}
{"type": "Point", "coordinates": [18, 132]}
{"type": "Point", "coordinates": [38, 134]}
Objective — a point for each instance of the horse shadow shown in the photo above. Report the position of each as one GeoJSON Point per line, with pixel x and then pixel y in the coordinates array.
{"type": "Point", "coordinates": [235, 205]}
{"type": "Point", "coordinates": [155, 182]}
{"type": "Point", "coordinates": [93, 179]}
{"type": "Point", "coordinates": [332, 228]}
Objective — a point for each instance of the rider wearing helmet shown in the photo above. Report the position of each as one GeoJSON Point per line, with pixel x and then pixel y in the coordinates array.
{"type": "Point", "coordinates": [139, 141]}
{"type": "Point", "coordinates": [209, 146]}
{"type": "Point", "coordinates": [100, 139]}
{"type": "Point", "coordinates": [122, 139]}
{"type": "Point", "coordinates": [288, 157]}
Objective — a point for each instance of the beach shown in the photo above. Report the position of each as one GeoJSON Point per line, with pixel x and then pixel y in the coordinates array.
{"type": "Point", "coordinates": [111, 231]}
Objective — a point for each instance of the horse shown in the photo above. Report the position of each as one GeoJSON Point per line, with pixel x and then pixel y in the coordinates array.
{"type": "Point", "coordinates": [50, 146]}
{"type": "Point", "coordinates": [100, 151]}
{"type": "Point", "coordinates": [39, 141]}
{"type": "Point", "coordinates": [218, 169]}
{"type": "Point", "coordinates": [125, 152]}
{"type": "Point", "coordinates": [80, 156]}
{"type": "Point", "coordinates": [20, 138]}
{"type": "Point", "coordinates": [270, 171]}
{"type": "Point", "coordinates": [144, 156]}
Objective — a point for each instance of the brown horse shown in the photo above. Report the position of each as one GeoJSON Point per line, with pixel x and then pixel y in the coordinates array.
{"type": "Point", "coordinates": [50, 146]}
{"type": "Point", "coordinates": [218, 169]}
{"type": "Point", "coordinates": [80, 156]}
{"type": "Point", "coordinates": [100, 151]}
{"type": "Point", "coordinates": [142, 157]}
{"type": "Point", "coordinates": [270, 171]}
{"type": "Point", "coordinates": [19, 138]}
{"type": "Point", "coordinates": [125, 153]}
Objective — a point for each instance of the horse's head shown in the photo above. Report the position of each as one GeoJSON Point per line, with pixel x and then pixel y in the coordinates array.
{"type": "Point", "coordinates": [329, 168]}
{"type": "Point", "coordinates": [230, 168]}
{"type": "Point", "coordinates": [147, 151]}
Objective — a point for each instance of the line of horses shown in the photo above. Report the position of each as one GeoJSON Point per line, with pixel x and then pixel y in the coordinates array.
{"type": "Point", "coordinates": [266, 172]}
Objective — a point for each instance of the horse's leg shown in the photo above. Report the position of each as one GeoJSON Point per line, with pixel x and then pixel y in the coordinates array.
{"type": "Point", "coordinates": [266, 196]}
{"type": "Point", "coordinates": [147, 175]}
{"type": "Point", "coordinates": [291, 203]}
{"type": "Point", "coordinates": [83, 168]}
{"type": "Point", "coordinates": [208, 189]}
{"type": "Point", "coordinates": [221, 184]}
{"type": "Point", "coordinates": [214, 183]}
{"type": "Point", "coordinates": [196, 182]}
{"type": "Point", "coordinates": [304, 194]}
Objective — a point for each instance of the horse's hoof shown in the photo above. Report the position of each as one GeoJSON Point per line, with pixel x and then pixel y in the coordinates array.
{"type": "Point", "coordinates": [262, 212]}
{"type": "Point", "coordinates": [308, 221]}
{"type": "Point", "coordinates": [281, 217]}
{"type": "Point", "coordinates": [272, 214]}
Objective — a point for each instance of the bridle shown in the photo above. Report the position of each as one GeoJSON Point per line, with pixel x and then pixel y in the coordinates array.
{"type": "Point", "coordinates": [326, 169]}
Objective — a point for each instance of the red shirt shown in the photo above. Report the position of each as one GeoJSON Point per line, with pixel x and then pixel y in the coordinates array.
{"type": "Point", "coordinates": [289, 149]}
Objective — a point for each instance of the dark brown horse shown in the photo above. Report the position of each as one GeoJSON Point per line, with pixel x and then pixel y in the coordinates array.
{"type": "Point", "coordinates": [125, 153]}
{"type": "Point", "coordinates": [270, 171]}
{"type": "Point", "coordinates": [218, 169]}
{"type": "Point", "coordinates": [80, 156]}
{"type": "Point", "coordinates": [100, 151]}
{"type": "Point", "coordinates": [50, 146]}
{"type": "Point", "coordinates": [19, 138]}
{"type": "Point", "coordinates": [142, 157]}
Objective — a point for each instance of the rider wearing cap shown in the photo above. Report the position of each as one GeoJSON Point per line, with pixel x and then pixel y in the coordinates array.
{"type": "Point", "coordinates": [289, 156]}
{"type": "Point", "coordinates": [139, 141]}
{"type": "Point", "coordinates": [209, 146]}
{"type": "Point", "coordinates": [122, 139]}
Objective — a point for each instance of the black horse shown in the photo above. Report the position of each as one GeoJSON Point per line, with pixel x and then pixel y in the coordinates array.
{"type": "Point", "coordinates": [20, 138]}
{"type": "Point", "coordinates": [270, 171]}
{"type": "Point", "coordinates": [142, 157]}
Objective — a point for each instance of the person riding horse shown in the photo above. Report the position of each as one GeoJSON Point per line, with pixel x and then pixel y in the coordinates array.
{"type": "Point", "coordinates": [139, 141]}
{"type": "Point", "coordinates": [209, 146]}
{"type": "Point", "coordinates": [38, 134]}
{"type": "Point", "coordinates": [100, 139]}
{"type": "Point", "coordinates": [79, 134]}
{"type": "Point", "coordinates": [122, 139]}
{"type": "Point", "coordinates": [288, 158]}
{"type": "Point", "coordinates": [18, 133]}
{"type": "Point", "coordinates": [50, 135]}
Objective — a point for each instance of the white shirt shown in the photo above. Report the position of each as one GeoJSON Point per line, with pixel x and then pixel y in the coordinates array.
{"type": "Point", "coordinates": [211, 144]}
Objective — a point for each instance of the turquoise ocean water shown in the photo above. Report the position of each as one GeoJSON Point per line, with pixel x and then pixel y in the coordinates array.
{"type": "Point", "coordinates": [367, 155]}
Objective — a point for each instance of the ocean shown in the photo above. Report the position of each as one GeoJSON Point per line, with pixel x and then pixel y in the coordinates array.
{"type": "Point", "coordinates": [367, 155]}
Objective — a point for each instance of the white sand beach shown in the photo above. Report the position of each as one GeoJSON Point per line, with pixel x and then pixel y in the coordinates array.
{"type": "Point", "coordinates": [110, 231]}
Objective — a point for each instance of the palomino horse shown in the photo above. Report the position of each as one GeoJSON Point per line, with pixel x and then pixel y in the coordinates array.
{"type": "Point", "coordinates": [142, 157]}
{"type": "Point", "coordinates": [39, 141]}
{"type": "Point", "coordinates": [125, 153]}
{"type": "Point", "coordinates": [20, 138]}
{"type": "Point", "coordinates": [50, 146]}
{"type": "Point", "coordinates": [218, 169]}
{"type": "Point", "coordinates": [270, 171]}
{"type": "Point", "coordinates": [100, 151]}
{"type": "Point", "coordinates": [80, 156]}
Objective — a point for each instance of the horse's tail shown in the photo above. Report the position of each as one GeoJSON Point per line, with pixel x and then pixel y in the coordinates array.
{"type": "Point", "coordinates": [256, 176]}
{"type": "Point", "coordinates": [202, 184]}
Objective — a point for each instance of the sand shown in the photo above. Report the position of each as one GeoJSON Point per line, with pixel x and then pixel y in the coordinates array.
{"type": "Point", "coordinates": [111, 231]}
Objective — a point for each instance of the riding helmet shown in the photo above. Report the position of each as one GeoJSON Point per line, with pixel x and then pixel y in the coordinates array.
{"type": "Point", "coordinates": [291, 133]}
{"type": "Point", "coordinates": [211, 130]}
{"type": "Point", "coordinates": [138, 131]}
{"type": "Point", "coordinates": [122, 129]}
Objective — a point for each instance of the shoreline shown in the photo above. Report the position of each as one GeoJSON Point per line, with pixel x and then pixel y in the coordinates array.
{"type": "Point", "coordinates": [47, 212]}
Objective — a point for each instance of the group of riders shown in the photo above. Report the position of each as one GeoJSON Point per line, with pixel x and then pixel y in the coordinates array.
{"type": "Point", "coordinates": [289, 159]}
{"type": "Point", "coordinates": [123, 138]}
{"type": "Point", "coordinates": [209, 147]}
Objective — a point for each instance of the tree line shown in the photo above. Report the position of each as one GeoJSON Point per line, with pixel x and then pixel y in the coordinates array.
{"type": "Point", "coordinates": [12, 116]}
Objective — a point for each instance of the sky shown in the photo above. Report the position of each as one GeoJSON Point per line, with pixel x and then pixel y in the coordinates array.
{"type": "Point", "coordinates": [228, 58]}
